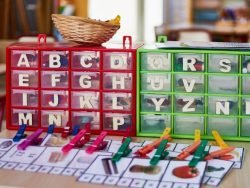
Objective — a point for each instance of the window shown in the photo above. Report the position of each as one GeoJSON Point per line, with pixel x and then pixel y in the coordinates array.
{"type": "Point", "coordinates": [138, 17]}
{"type": "Point", "coordinates": [109, 9]}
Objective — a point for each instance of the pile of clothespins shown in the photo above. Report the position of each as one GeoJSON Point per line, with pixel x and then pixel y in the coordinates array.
{"type": "Point", "coordinates": [197, 149]}
{"type": "Point", "coordinates": [81, 136]}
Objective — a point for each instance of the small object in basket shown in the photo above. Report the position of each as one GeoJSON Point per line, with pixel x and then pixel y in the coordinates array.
{"type": "Point", "coordinates": [115, 21]}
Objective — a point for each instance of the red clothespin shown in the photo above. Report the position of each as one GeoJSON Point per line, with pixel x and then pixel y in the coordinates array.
{"type": "Point", "coordinates": [66, 131]}
{"type": "Point", "coordinates": [98, 144]}
{"type": "Point", "coordinates": [150, 147]}
{"type": "Point", "coordinates": [77, 140]}
{"type": "Point", "coordinates": [86, 137]}
{"type": "Point", "coordinates": [221, 154]}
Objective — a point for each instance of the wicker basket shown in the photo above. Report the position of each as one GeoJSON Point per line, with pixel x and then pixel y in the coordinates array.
{"type": "Point", "coordinates": [84, 30]}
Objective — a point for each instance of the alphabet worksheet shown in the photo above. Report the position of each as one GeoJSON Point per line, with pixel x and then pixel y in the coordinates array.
{"type": "Point", "coordinates": [130, 171]}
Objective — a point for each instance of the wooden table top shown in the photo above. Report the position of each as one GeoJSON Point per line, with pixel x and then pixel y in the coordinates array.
{"type": "Point", "coordinates": [10, 178]}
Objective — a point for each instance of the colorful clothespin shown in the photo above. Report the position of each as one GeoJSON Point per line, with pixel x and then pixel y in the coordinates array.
{"type": "Point", "coordinates": [50, 131]}
{"type": "Point", "coordinates": [166, 131]}
{"type": "Point", "coordinates": [150, 147]}
{"type": "Point", "coordinates": [199, 154]}
{"type": "Point", "coordinates": [190, 171]}
{"type": "Point", "coordinates": [160, 153]}
{"type": "Point", "coordinates": [123, 151]}
{"type": "Point", "coordinates": [75, 130]}
{"type": "Point", "coordinates": [30, 140]}
{"type": "Point", "coordinates": [221, 154]}
{"type": "Point", "coordinates": [20, 133]}
{"type": "Point", "coordinates": [221, 143]}
{"type": "Point", "coordinates": [73, 142]}
{"type": "Point", "coordinates": [98, 144]}
{"type": "Point", "coordinates": [66, 131]}
{"type": "Point", "coordinates": [188, 150]}
{"type": "Point", "coordinates": [197, 135]}
{"type": "Point", "coordinates": [86, 137]}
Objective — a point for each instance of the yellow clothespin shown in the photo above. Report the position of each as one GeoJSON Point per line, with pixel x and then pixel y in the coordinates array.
{"type": "Point", "coordinates": [221, 143]}
{"type": "Point", "coordinates": [166, 132]}
{"type": "Point", "coordinates": [197, 135]}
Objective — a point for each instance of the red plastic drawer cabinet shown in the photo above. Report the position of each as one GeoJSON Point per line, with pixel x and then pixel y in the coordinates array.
{"type": "Point", "coordinates": [67, 84]}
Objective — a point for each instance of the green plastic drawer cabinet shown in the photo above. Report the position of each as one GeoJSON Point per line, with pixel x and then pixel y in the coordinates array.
{"type": "Point", "coordinates": [188, 89]}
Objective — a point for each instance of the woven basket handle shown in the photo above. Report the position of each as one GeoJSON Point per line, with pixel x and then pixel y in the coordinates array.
{"type": "Point", "coordinates": [129, 40]}
{"type": "Point", "coordinates": [42, 37]}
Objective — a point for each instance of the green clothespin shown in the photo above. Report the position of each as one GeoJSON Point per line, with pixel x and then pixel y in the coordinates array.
{"type": "Point", "coordinates": [199, 154]}
{"type": "Point", "coordinates": [160, 153]}
{"type": "Point", "coordinates": [123, 151]}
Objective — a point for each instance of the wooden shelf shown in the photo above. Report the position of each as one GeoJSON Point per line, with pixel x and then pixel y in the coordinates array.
{"type": "Point", "coordinates": [206, 11]}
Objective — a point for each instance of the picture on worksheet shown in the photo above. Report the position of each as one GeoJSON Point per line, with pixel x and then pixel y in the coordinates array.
{"type": "Point", "coordinates": [5, 144]}
{"type": "Point", "coordinates": [103, 165]}
{"type": "Point", "coordinates": [179, 171]}
{"type": "Point", "coordinates": [216, 171]}
{"type": "Point", "coordinates": [53, 156]}
{"type": "Point", "coordinates": [23, 156]}
{"type": "Point", "coordinates": [141, 168]}
{"type": "Point", "coordinates": [57, 141]}
{"type": "Point", "coordinates": [218, 168]}
{"type": "Point", "coordinates": [82, 160]}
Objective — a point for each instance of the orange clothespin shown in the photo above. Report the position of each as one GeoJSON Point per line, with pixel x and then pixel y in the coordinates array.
{"type": "Point", "coordinates": [221, 143]}
{"type": "Point", "coordinates": [188, 150]}
{"type": "Point", "coordinates": [221, 154]}
{"type": "Point", "coordinates": [150, 147]}
{"type": "Point", "coordinates": [192, 148]}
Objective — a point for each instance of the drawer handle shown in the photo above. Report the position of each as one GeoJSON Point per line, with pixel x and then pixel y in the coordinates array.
{"type": "Point", "coordinates": [129, 40]}
{"type": "Point", "coordinates": [162, 39]}
{"type": "Point", "coordinates": [42, 37]}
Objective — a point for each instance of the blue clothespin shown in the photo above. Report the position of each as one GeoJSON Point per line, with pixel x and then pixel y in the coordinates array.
{"type": "Point", "coordinates": [75, 130]}
{"type": "Point", "coordinates": [160, 153]}
{"type": "Point", "coordinates": [20, 133]}
{"type": "Point", "coordinates": [50, 131]}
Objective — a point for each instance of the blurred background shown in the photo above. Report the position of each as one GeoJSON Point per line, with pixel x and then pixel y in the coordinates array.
{"type": "Point", "coordinates": [220, 20]}
{"type": "Point", "coordinates": [144, 20]}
